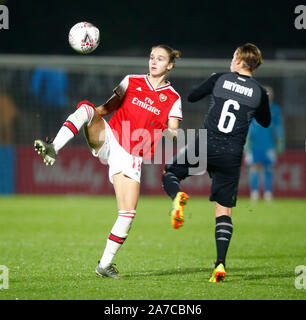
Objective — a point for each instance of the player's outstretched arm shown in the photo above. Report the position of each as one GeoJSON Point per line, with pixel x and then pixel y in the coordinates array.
{"type": "Point", "coordinates": [110, 106]}
{"type": "Point", "coordinates": [204, 88]}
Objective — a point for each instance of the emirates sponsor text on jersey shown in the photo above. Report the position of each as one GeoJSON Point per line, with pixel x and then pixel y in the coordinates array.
{"type": "Point", "coordinates": [147, 104]}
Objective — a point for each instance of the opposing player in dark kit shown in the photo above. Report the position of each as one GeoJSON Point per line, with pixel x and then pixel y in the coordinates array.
{"type": "Point", "coordinates": [236, 98]}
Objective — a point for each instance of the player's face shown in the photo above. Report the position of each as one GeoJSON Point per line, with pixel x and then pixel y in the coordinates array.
{"type": "Point", "coordinates": [159, 62]}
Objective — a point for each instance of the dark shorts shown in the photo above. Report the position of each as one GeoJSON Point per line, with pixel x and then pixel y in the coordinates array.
{"type": "Point", "coordinates": [224, 186]}
{"type": "Point", "coordinates": [223, 169]}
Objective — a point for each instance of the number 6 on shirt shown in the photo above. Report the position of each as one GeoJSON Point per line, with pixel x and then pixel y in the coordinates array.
{"type": "Point", "coordinates": [225, 113]}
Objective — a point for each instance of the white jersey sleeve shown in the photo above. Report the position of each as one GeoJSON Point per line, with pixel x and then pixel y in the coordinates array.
{"type": "Point", "coordinates": [121, 88]}
{"type": "Point", "coordinates": [176, 110]}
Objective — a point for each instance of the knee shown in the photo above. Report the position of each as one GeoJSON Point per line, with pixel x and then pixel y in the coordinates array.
{"type": "Point", "coordinates": [167, 168]}
{"type": "Point", "coordinates": [100, 111]}
{"type": "Point", "coordinates": [171, 169]}
{"type": "Point", "coordinates": [168, 172]}
{"type": "Point", "coordinates": [166, 175]}
{"type": "Point", "coordinates": [177, 171]}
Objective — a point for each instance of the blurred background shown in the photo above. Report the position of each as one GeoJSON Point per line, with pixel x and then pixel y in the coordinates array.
{"type": "Point", "coordinates": [42, 79]}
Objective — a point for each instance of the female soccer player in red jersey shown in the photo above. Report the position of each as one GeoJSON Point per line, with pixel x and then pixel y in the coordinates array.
{"type": "Point", "coordinates": [143, 105]}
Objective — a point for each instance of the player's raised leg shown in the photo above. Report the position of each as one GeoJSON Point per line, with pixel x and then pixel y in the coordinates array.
{"type": "Point", "coordinates": [127, 192]}
{"type": "Point", "coordinates": [85, 116]}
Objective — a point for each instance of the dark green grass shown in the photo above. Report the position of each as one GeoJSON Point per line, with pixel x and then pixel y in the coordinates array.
{"type": "Point", "coordinates": [51, 246]}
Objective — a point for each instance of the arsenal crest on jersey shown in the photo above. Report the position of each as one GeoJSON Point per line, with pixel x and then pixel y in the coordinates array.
{"type": "Point", "coordinates": [162, 97]}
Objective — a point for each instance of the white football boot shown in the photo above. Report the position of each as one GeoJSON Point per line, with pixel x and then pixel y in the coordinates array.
{"type": "Point", "coordinates": [46, 150]}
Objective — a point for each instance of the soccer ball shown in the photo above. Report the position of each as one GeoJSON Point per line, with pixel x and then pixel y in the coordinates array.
{"type": "Point", "coordinates": [84, 37]}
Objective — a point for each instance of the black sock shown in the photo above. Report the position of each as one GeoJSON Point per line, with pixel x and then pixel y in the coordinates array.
{"type": "Point", "coordinates": [171, 184]}
{"type": "Point", "coordinates": [223, 234]}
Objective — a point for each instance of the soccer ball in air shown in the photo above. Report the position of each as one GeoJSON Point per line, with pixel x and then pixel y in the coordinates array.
{"type": "Point", "coordinates": [84, 37]}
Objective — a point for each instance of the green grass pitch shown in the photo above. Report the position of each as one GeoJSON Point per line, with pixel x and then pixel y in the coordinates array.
{"type": "Point", "coordinates": [51, 245]}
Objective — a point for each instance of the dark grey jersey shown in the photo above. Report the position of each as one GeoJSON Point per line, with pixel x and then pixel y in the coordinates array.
{"type": "Point", "coordinates": [235, 100]}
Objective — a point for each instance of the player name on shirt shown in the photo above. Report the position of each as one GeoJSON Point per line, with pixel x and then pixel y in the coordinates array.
{"type": "Point", "coordinates": [233, 86]}
{"type": "Point", "coordinates": [148, 106]}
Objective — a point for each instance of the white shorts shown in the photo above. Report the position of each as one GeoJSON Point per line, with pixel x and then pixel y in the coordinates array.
{"type": "Point", "coordinates": [118, 159]}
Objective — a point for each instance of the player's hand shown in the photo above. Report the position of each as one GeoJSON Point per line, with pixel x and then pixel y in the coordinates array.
{"type": "Point", "coordinates": [171, 134]}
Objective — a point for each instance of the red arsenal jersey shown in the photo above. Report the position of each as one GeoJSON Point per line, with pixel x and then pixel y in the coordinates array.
{"type": "Point", "coordinates": [142, 116]}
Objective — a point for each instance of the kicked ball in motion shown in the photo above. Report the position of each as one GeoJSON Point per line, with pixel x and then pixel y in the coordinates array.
{"type": "Point", "coordinates": [84, 37]}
